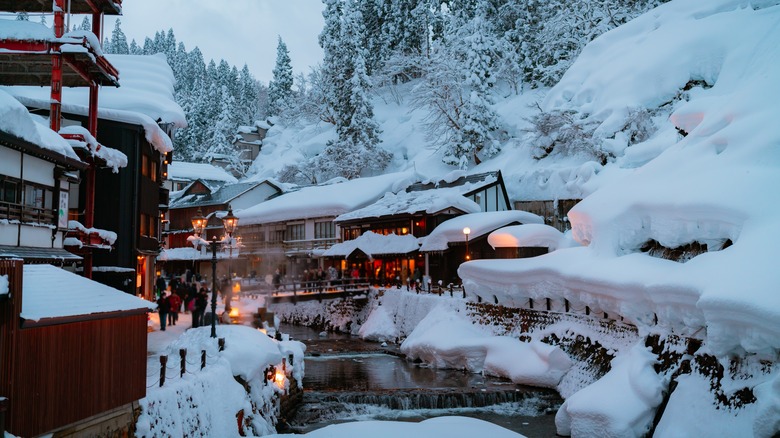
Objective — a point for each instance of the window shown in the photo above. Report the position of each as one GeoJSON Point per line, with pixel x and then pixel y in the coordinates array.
{"type": "Point", "coordinates": [145, 165]}
{"type": "Point", "coordinates": [148, 225]}
{"type": "Point", "coordinates": [295, 232]}
{"type": "Point", "coordinates": [149, 167]}
{"type": "Point", "coordinates": [324, 230]}
{"type": "Point", "coordinates": [351, 234]}
{"type": "Point", "coordinates": [8, 191]}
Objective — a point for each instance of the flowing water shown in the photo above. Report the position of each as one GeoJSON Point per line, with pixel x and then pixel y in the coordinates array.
{"type": "Point", "coordinates": [348, 379]}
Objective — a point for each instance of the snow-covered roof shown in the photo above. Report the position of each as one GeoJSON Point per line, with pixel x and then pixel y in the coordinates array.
{"type": "Point", "coordinates": [145, 97]}
{"type": "Point", "coordinates": [715, 183]}
{"type": "Point", "coordinates": [428, 201]}
{"type": "Point", "coordinates": [429, 196]}
{"type": "Point", "coordinates": [373, 244]}
{"type": "Point", "coordinates": [113, 158]}
{"type": "Point", "coordinates": [51, 292]}
{"type": "Point", "coordinates": [480, 224]}
{"type": "Point", "coordinates": [321, 201]}
{"type": "Point", "coordinates": [183, 171]}
{"type": "Point", "coordinates": [190, 253]}
{"type": "Point", "coordinates": [17, 121]}
{"type": "Point", "coordinates": [24, 30]}
{"type": "Point", "coordinates": [218, 196]}
{"type": "Point", "coordinates": [529, 235]}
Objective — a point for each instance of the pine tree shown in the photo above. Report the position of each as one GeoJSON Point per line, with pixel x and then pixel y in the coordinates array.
{"type": "Point", "coordinates": [348, 88]}
{"type": "Point", "coordinates": [280, 87]}
{"type": "Point", "coordinates": [22, 16]}
{"type": "Point", "coordinates": [118, 40]}
{"type": "Point", "coordinates": [86, 24]}
{"type": "Point", "coordinates": [134, 49]}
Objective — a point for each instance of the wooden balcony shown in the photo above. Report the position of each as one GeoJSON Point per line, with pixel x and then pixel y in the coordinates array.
{"type": "Point", "coordinates": [26, 214]}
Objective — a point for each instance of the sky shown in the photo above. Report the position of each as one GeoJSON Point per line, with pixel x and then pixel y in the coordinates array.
{"type": "Point", "coordinates": [239, 31]}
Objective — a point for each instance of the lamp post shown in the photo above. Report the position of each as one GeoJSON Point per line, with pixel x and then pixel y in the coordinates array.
{"type": "Point", "coordinates": [467, 231]}
{"type": "Point", "coordinates": [230, 223]}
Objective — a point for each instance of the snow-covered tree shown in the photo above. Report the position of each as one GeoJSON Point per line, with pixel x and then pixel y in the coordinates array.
{"type": "Point", "coordinates": [22, 16]}
{"type": "Point", "coordinates": [348, 88]}
{"type": "Point", "coordinates": [85, 24]}
{"type": "Point", "coordinates": [119, 40]}
{"type": "Point", "coordinates": [280, 88]}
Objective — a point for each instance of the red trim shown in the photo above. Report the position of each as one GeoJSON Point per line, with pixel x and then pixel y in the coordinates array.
{"type": "Point", "coordinates": [59, 18]}
{"type": "Point", "coordinates": [26, 45]}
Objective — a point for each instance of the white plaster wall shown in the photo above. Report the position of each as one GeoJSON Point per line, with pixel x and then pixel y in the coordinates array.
{"type": "Point", "coordinates": [37, 237]}
{"type": "Point", "coordinates": [38, 171]}
{"type": "Point", "coordinates": [8, 234]}
{"type": "Point", "coordinates": [9, 162]}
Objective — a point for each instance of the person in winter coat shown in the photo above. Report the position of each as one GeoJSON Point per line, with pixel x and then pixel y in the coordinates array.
{"type": "Point", "coordinates": [201, 301]}
{"type": "Point", "coordinates": [174, 301]}
{"type": "Point", "coordinates": [161, 285]}
{"type": "Point", "coordinates": [277, 280]}
{"type": "Point", "coordinates": [163, 307]}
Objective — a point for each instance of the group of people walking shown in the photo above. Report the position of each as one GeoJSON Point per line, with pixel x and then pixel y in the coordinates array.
{"type": "Point", "coordinates": [178, 297]}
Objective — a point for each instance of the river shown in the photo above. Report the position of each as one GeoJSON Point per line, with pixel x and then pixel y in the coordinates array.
{"type": "Point", "coordinates": [348, 379]}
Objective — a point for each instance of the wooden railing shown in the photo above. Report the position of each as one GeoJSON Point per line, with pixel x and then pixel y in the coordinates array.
{"type": "Point", "coordinates": [26, 213]}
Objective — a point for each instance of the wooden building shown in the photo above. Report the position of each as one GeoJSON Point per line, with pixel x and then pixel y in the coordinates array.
{"type": "Point", "coordinates": [291, 231]}
{"type": "Point", "coordinates": [212, 199]}
{"type": "Point", "coordinates": [130, 201]}
{"type": "Point", "coordinates": [465, 238]}
{"type": "Point", "coordinates": [62, 362]}
{"type": "Point", "coordinates": [35, 180]}
{"type": "Point", "coordinates": [417, 211]}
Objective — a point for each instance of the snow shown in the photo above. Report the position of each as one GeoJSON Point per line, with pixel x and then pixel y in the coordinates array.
{"type": "Point", "coordinates": [530, 235]}
{"type": "Point", "coordinates": [620, 404]}
{"type": "Point", "coordinates": [17, 121]}
{"type": "Point", "coordinates": [455, 427]}
{"type": "Point", "coordinates": [321, 201]}
{"type": "Point", "coordinates": [108, 236]}
{"type": "Point", "coordinates": [373, 244]}
{"type": "Point", "coordinates": [187, 253]}
{"type": "Point", "coordinates": [180, 170]}
{"type": "Point", "coordinates": [451, 231]}
{"type": "Point", "coordinates": [144, 98]}
{"type": "Point", "coordinates": [51, 292]}
{"type": "Point", "coordinates": [113, 157]}
{"type": "Point", "coordinates": [708, 187]}
{"type": "Point", "coordinates": [447, 339]}
{"type": "Point", "coordinates": [428, 201]}
{"type": "Point", "coordinates": [206, 402]}
{"type": "Point", "coordinates": [24, 30]}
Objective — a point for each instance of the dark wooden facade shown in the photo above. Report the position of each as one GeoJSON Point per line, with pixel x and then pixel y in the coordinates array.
{"type": "Point", "coordinates": [58, 374]}
{"type": "Point", "coordinates": [128, 202]}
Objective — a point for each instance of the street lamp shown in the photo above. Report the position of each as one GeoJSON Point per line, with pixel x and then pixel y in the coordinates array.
{"type": "Point", "coordinates": [467, 231]}
{"type": "Point", "coordinates": [230, 223]}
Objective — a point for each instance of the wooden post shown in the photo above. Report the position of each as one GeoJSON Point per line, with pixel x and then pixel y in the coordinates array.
{"type": "Point", "coordinates": [566, 304]}
{"type": "Point", "coordinates": [163, 362]}
{"type": "Point", "coordinates": [202, 359]}
{"type": "Point", "coordinates": [183, 356]}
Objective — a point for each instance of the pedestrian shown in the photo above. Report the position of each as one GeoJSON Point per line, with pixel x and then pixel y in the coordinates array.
{"type": "Point", "coordinates": [277, 280]}
{"type": "Point", "coordinates": [174, 303]}
{"type": "Point", "coordinates": [161, 285]}
{"type": "Point", "coordinates": [163, 306]}
{"type": "Point", "coordinates": [200, 307]}
{"type": "Point", "coordinates": [189, 300]}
